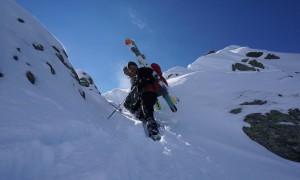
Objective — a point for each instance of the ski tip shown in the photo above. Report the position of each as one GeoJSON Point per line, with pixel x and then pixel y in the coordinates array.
{"type": "Point", "coordinates": [174, 108]}
{"type": "Point", "coordinates": [128, 41]}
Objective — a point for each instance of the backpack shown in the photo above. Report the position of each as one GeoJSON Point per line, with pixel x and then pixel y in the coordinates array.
{"type": "Point", "coordinates": [152, 80]}
{"type": "Point", "coordinates": [156, 68]}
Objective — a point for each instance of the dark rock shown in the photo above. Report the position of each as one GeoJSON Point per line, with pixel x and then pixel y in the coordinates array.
{"type": "Point", "coordinates": [255, 102]}
{"type": "Point", "coordinates": [38, 47]}
{"type": "Point", "coordinates": [84, 82]}
{"type": "Point", "coordinates": [254, 54]}
{"type": "Point", "coordinates": [272, 56]}
{"type": "Point", "coordinates": [1, 75]}
{"type": "Point", "coordinates": [255, 118]}
{"type": "Point", "coordinates": [65, 53]}
{"type": "Point", "coordinates": [56, 49]}
{"type": "Point", "coordinates": [255, 63]}
{"type": "Point", "coordinates": [61, 58]}
{"type": "Point", "coordinates": [30, 77]}
{"type": "Point", "coordinates": [73, 72]}
{"type": "Point", "coordinates": [210, 52]}
{"type": "Point", "coordinates": [244, 60]}
{"type": "Point", "coordinates": [91, 80]}
{"type": "Point", "coordinates": [236, 111]}
{"type": "Point", "coordinates": [276, 131]}
{"type": "Point", "coordinates": [242, 67]}
{"type": "Point", "coordinates": [295, 113]}
{"type": "Point", "coordinates": [82, 93]}
{"type": "Point", "coordinates": [21, 20]}
{"type": "Point", "coordinates": [51, 68]}
{"type": "Point", "coordinates": [16, 58]}
{"type": "Point", "coordinates": [19, 49]}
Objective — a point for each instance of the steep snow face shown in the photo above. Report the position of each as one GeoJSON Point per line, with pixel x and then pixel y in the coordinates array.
{"type": "Point", "coordinates": [28, 46]}
{"type": "Point", "coordinates": [35, 67]}
{"type": "Point", "coordinates": [41, 102]}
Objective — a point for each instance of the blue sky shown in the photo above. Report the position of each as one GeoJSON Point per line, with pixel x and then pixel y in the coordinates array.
{"type": "Point", "coordinates": [169, 32]}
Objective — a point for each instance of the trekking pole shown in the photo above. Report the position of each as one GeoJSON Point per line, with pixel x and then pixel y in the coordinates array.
{"type": "Point", "coordinates": [112, 114]}
{"type": "Point", "coordinates": [118, 108]}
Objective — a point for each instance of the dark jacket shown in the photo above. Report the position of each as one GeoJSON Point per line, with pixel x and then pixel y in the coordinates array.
{"type": "Point", "coordinates": [144, 80]}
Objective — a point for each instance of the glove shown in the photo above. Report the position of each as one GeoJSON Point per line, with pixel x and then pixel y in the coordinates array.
{"type": "Point", "coordinates": [127, 72]}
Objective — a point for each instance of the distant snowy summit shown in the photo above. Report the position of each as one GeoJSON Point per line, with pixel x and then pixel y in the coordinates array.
{"type": "Point", "coordinates": [116, 95]}
{"type": "Point", "coordinates": [239, 59]}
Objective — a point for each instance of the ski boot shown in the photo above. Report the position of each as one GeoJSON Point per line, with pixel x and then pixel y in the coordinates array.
{"type": "Point", "coordinates": [153, 129]}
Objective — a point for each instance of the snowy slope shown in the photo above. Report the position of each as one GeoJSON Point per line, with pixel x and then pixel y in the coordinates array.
{"type": "Point", "coordinates": [49, 130]}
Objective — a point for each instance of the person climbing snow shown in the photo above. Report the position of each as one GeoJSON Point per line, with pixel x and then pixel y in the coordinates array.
{"type": "Point", "coordinates": [141, 99]}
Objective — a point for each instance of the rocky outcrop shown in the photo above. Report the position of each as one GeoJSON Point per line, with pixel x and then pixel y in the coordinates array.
{"type": "Point", "coordinates": [30, 77]}
{"type": "Point", "coordinates": [242, 67]}
{"type": "Point", "coordinates": [248, 65]}
{"type": "Point", "coordinates": [87, 81]}
{"type": "Point", "coordinates": [236, 111]}
{"type": "Point", "coordinates": [276, 131]}
{"type": "Point", "coordinates": [272, 56]}
{"type": "Point", "coordinates": [254, 54]}
{"type": "Point", "coordinates": [255, 63]}
{"type": "Point", "coordinates": [210, 52]}
{"type": "Point", "coordinates": [255, 102]}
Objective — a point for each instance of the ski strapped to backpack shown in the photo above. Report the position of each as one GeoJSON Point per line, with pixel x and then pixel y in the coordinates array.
{"type": "Point", "coordinates": [140, 57]}
{"type": "Point", "coordinates": [161, 84]}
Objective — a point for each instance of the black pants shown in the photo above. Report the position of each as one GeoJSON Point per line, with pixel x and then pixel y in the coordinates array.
{"type": "Point", "coordinates": [132, 101]}
{"type": "Point", "coordinates": [148, 99]}
{"type": "Point", "coordinates": [145, 102]}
